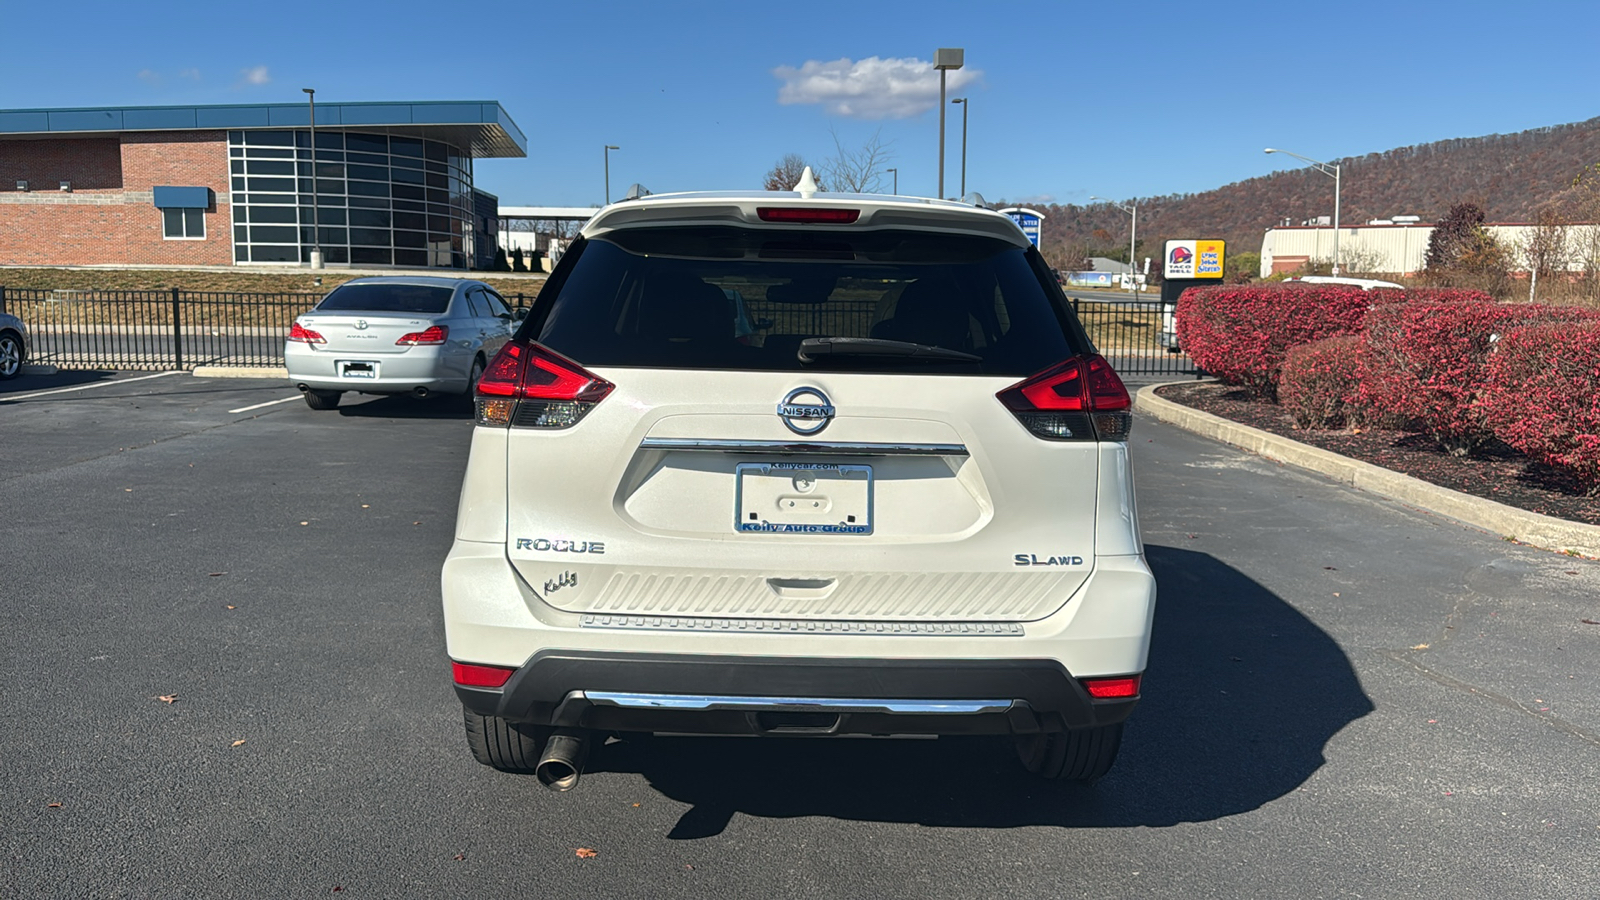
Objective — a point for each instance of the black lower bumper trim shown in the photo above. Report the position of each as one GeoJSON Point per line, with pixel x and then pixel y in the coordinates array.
{"type": "Point", "coordinates": [1044, 694]}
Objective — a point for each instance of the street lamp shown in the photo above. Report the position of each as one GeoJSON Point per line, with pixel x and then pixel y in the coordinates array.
{"type": "Point", "coordinates": [964, 107]}
{"type": "Point", "coordinates": [896, 174]}
{"type": "Point", "coordinates": [1133, 236]}
{"type": "Point", "coordinates": [1332, 170]}
{"type": "Point", "coordinates": [609, 148]}
{"type": "Point", "coordinates": [316, 218]}
{"type": "Point", "coordinates": [945, 59]}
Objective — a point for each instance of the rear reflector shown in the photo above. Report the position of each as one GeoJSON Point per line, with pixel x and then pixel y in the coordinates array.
{"type": "Point", "coordinates": [433, 335]}
{"type": "Point", "coordinates": [1112, 688]}
{"type": "Point", "coordinates": [480, 676]}
{"type": "Point", "coordinates": [305, 335]}
{"type": "Point", "coordinates": [808, 214]}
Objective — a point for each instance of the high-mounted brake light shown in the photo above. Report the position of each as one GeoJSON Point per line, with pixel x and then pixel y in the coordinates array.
{"type": "Point", "coordinates": [1080, 399]}
{"type": "Point", "coordinates": [471, 675]}
{"type": "Point", "coordinates": [1112, 688]}
{"type": "Point", "coordinates": [305, 335]}
{"type": "Point", "coordinates": [434, 334]}
{"type": "Point", "coordinates": [808, 215]}
{"type": "Point", "coordinates": [531, 386]}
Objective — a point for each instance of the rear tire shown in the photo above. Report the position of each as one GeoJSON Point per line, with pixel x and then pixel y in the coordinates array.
{"type": "Point", "coordinates": [323, 399]}
{"type": "Point", "coordinates": [470, 398]}
{"type": "Point", "coordinates": [10, 356]}
{"type": "Point", "coordinates": [1083, 755]}
{"type": "Point", "coordinates": [503, 745]}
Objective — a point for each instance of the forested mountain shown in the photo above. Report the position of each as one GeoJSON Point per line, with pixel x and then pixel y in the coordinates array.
{"type": "Point", "coordinates": [1508, 175]}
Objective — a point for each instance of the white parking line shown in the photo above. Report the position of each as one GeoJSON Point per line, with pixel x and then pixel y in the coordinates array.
{"type": "Point", "coordinates": [85, 387]}
{"type": "Point", "coordinates": [268, 403]}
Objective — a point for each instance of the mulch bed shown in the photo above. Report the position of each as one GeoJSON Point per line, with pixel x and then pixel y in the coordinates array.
{"type": "Point", "coordinates": [1498, 473]}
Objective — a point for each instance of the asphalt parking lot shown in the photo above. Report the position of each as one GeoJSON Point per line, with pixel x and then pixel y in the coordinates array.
{"type": "Point", "coordinates": [1347, 697]}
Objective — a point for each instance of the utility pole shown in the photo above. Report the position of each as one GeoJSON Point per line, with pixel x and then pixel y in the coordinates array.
{"type": "Point", "coordinates": [945, 59]}
{"type": "Point", "coordinates": [316, 216]}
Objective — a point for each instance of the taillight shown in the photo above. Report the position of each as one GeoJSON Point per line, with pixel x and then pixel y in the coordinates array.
{"type": "Point", "coordinates": [1112, 688]}
{"type": "Point", "coordinates": [434, 334]}
{"type": "Point", "coordinates": [808, 215]}
{"type": "Point", "coordinates": [1081, 399]}
{"type": "Point", "coordinates": [529, 386]}
{"type": "Point", "coordinates": [472, 675]}
{"type": "Point", "coordinates": [305, 335]}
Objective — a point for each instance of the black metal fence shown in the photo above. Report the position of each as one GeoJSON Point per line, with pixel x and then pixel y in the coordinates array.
{"type": "Point", "coordinates": [176, 329]}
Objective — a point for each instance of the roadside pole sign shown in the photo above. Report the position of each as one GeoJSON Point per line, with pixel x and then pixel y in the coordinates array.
{"type": "Point", "coordinates": [1028, 220]}
{"type": "Point", "coordinates": [1193, 261]}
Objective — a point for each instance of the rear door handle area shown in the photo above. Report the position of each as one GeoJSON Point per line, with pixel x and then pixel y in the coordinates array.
{"type": "Point", "coordinates": [802, 588]}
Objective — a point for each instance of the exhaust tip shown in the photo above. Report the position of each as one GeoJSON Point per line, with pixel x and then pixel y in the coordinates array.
{"type": "Point", "coordinates": [561, 764]}
{"type": "Point", "coordinates": [420, 391]}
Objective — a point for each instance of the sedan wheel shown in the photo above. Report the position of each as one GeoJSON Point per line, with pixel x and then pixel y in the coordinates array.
{"type": "Point", "coordinates": [10, 356]}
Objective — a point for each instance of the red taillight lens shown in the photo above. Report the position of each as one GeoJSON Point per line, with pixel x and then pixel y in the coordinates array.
{"type": "Point", "coordinates": [532, 386]}
{"type": "Point", "coordinates": [1112, 688]}
{"type": "Point", "coordinates": [434, 334]}
{"type": "Point", "coordinates": [480, 676]}
{"type": "Point", "coordinates": [305, 335]}
{"type": "Point", "coordinates": [808, 215]}
{"type": "Point", "coordinates": [1078, 399]}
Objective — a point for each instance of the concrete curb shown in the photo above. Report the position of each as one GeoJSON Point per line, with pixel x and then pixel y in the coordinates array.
{"type": "Point", "coordinates": [32, 369]}
{"type": "Point", "coordinates": [240, 372]}
{"type": "Point", "coordinates": [1520, 525]}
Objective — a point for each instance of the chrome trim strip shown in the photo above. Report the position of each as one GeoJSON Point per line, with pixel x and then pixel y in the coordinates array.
{"type": "Point", "coordinates": [875, 628]}
{"type": "Point", "coordinates": [837, 448]}
{"type": "Point", "coordinates": [792, 704]}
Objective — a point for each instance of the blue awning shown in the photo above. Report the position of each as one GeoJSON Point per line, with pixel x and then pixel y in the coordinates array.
{"type": "Point", "coordinates": [183, 198]}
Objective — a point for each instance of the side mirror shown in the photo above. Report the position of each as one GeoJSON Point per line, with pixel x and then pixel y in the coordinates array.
{"type": "Point", "coordinates": [518, 314]}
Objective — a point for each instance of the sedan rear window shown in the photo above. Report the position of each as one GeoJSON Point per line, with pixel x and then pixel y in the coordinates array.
{"type": "Point", "coordinates": [402, 298]}
{"type": "Point", "coordinates": [728, 298]}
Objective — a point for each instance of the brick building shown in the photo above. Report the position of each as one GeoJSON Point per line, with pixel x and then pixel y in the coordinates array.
{"type": "Point", "coordinates": [225, 185]}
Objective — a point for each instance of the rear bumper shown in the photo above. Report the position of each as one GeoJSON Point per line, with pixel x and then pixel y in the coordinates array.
{"type": "Point", "coordinates": [764, 695]}
{"type": "Point", "coordinates": [441, 369]}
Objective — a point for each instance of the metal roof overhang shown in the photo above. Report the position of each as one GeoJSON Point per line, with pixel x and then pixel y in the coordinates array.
{"type": "Point", "coordinates": [480, 126]}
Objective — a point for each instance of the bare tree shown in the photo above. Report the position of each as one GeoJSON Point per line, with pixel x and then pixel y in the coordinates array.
{"type": "Point", "coordinates": [1360, 261]}
{"type": "Point", "coordinates": [858, 171]}
{"type": "Point", "coordinates": [1543, 248]}
{"type": "Point", "coordinates": [786, 173]}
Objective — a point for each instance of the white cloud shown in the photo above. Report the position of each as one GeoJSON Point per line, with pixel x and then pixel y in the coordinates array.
{"type": "Point", "coordinates": [149, 77]}
{"type": "Point", "coordinates": [255, 75]}
{"type": "Point", "coordinates": [1036, 198]}
{"type": "Point", "coordinates": [870, 88]}
{"type": "Point", "coordinates": [191, 74]}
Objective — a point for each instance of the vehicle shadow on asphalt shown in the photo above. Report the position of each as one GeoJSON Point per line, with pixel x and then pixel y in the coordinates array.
{"type": "Point", "coordinates": [406, 407]}
{"type": "Point", "coordinates": [23, 384]}
{"type": "Point", "coordinates": [1241, 695]}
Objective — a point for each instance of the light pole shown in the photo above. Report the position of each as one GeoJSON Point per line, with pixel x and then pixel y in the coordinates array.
{"type": "Point", "coordinates": [964, 108]}
{"type": "Point", "coordinates": [609, 148]}
{"type": "Point", "coordinates": [896, 174]}
{"type": "Point", "coordinates": [945, 59]}
{"type": "Point", "coordinates": [316, 217]}
{"type": "Point", "coordinates": [1330, 169]}
{"type": "Point", "coordinates": [1133, 236]}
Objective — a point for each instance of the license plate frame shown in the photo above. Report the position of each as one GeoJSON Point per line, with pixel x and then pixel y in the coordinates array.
{"type": "Point", "coordinates": [347, 368]}
{"type": "Point", "coordinates": [847, 487]}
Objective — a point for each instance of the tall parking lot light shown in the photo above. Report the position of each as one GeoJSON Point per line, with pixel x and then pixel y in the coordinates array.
{"type": "Point", "coordinates": [945, 59]}
{"type": "Point", "coordinates": [609, 148]}
{"type": "Point", "coordinates": [1131, 209]}
{"type": "Point", "coordinates": [1332, 170]}
{"type": "Point", "coordinates": [316, 218]}
{"type": "Point", "coordinates": [964, 107]}
{"type": "Point", "coordinates": [896, 174]}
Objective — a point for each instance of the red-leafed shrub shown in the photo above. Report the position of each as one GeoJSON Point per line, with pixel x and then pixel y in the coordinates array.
{"type": "Point", "coordinates": [1541, 395]}
{"type": "Point", "coordinates": [1381, 296]}
{"type": "Point", "coordinates": [1320, 379]}
{"type": "Point", "coordinates": [1240, 334]}
{"type": "Point", "coordinates": [1426, 361]}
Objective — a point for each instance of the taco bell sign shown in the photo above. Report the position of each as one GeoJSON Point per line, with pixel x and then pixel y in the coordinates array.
{"type": "Point", "coordinates": [1028, 220]}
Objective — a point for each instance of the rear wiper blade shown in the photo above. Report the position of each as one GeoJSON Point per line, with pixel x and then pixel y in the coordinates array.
{"type": "Point", "coordinates": [813, 349]}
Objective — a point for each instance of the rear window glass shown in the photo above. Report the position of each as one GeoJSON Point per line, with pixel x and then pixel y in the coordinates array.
{"type": "Point", "coordinates": [725, 298]}
{"type": "Point", "coordinates": [405, 298]}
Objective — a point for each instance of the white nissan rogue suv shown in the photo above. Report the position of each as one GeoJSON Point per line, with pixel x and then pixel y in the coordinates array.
{"type": "Point", "coordinates": [798, 463]}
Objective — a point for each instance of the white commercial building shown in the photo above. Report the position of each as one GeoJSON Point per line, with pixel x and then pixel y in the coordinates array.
{"type": "Point", "coordinates": [1399, 246]}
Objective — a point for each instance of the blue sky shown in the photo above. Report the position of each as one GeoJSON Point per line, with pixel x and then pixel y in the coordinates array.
{"type": "Point", "coordinates": [1068, 99]}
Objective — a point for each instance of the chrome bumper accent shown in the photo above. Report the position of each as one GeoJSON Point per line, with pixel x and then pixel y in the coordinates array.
{"type": "Point", "coordinates": [802, 626]}
{"type": "Point", "coordinates": [836, 448]}
{"type": "Point", "coordinates": [796, 704]}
